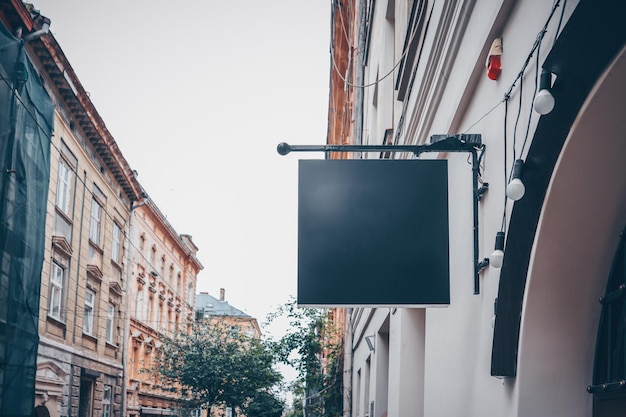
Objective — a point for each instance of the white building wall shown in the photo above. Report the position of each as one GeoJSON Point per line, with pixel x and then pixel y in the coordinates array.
{"type": "Point", "coordinates": [437, 362]}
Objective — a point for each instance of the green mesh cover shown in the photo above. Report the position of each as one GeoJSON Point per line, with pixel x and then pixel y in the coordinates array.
{"type": "Point", "coordinates": [26, 121]}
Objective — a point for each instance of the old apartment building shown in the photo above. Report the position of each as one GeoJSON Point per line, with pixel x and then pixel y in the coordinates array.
{"type": "Point", "coordinates": [107, 271]}
{"type": "Point", "coordinates": [162, 283]}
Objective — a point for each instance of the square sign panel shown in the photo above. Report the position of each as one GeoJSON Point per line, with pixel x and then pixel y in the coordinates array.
{"type": "Point", "coordinates": [373, 233]}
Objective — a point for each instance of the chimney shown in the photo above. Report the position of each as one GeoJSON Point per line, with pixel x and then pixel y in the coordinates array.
{"type": "Point", "coordinates": [222, 294]}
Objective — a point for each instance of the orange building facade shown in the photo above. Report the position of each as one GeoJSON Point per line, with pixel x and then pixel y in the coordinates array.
{"type": "Point", "coordinates": [162, 283]}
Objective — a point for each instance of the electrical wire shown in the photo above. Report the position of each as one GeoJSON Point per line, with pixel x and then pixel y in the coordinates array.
{"type": "Point", "coordinates": [485, 115]}
{"type": "Point", "coordinates": [532, 103]}
{"type": "Point", "coordinates": [558, 28]}
{"type": "Point", "coordinates": [519, 113]}
{"type": "Point", "coordinates": [400, 60]}
{"type": "Point", "coordinates": [506, 112]}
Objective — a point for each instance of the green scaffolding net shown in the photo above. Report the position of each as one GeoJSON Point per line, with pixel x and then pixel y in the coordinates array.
{"type": "Point", "coordinates": [26, 122]}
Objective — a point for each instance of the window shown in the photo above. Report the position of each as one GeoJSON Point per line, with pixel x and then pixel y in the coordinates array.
{"type": "Point", "coordinates": [57, 277]}
{"type": "Point", "coordinates": [139, 305]}
{"type": "Point", "coordinates": [95, 222]}
{"type": "Point", "coordinates": [106, 401]}
{"type": "Point", "coordinates": [64, 187]}
{"type": "Point", "coordinates": [152, 257]}
{"type": "Point", "coordinates": [110, 323]}
{"type": "Point", "coordinates": [116, 250]}
{"type": "Point", "coordinates": [163, 266]}
{"type": "Point", "coordinates": [190, 295]}
{"type": "Point", "coordinates": [158, 316]}
{"type": "Point", "coordinates": [149, 310]}
{"type": "Point", "coordinates": [90, 306]}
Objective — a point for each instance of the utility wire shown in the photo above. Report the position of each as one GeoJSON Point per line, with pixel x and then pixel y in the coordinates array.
{"type": "Point", "coordinates": [402, 57]}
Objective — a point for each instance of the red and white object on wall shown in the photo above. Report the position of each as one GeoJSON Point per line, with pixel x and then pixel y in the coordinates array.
{"type": "Point", "coordinates": [494, 60]}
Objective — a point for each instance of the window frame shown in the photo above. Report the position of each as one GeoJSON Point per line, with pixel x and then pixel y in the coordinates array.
{"type": "Point", "coordinates": [64, 187]}
{"type": "Point", "coordinates": [139, 305]}
{"type": "Point", "coordinates": [57, 270]}
{"type": "Point", "coordinates": [95, 222]}
{"type": "Point", "coordinates": [106, 400]}
{"type": "Point", "coordinates": [88, 319]}
{"type": "Point", "coordinates": [110, 326]}
{"type": "Point", "coordinates": [116, 244]}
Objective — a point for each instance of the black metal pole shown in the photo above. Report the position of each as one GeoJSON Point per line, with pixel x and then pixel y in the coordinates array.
{"type": "Point", "coordinates": [477, 265]}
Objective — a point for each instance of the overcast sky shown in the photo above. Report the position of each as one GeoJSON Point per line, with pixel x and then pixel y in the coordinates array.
{"type": "Point", "coordinates": [197, 94]}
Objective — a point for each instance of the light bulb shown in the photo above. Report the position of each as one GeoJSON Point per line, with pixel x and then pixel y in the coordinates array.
{"type": "Point", "coordinates": [515, 190]}
{"type": "Point", "coordinates": [497, 256]}
{"type": "Point", "coordinates": [544, 102]}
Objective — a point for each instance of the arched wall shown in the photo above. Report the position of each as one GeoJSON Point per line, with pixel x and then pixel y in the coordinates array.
{"type": "Point", "coordinates": [578, 232]}
{"type": "Point", "coordinates": [589, 42]}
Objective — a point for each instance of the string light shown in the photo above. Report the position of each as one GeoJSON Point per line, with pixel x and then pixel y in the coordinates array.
{"type": "Point", "coordinates": [516, 189]}
{"type": "Point", "coordinates": [544, 100]}
{"type": "Point", "coordinates": [497, 256]}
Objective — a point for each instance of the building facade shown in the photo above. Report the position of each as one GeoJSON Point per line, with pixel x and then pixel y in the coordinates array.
{"type": "Point", "coordinates": [80, 363]}
{"type": "Point", "coordinates": [82, 285]}
{"type": "Point", "coordinates": [218, 311]}
{"type": "Point", "coordinates": [162, 282]}
{"type": "Point", "coordinates": [526, 336]}
{"type": "Point", "coordinates": [114, 275]}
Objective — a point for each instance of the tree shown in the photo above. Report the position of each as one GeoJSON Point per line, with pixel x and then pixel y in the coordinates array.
{"type": "Point", "coordinates": [264, 404]}
{"type": "Point", "coordinates": [216, 366]}
{"type": "Point", "coordinates": [313, 347]}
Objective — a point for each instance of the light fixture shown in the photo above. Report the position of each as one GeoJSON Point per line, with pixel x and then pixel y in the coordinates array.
{"type": "Point", "coordinates": [515, 190]}
{"type": "Point", "coordinates": [371, 343]}
{"type": "Point", "coordinates": [496, 257]}
{"type": "Point", "coordinates": [544, 100]}
{"type": "Point", "coordinates": [482, 191]}
{"type": "Point", "coordinates": [494, 60]}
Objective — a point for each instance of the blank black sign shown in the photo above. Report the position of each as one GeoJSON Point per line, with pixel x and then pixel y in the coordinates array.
{"type": "Point", "coordinates": [373, 233]}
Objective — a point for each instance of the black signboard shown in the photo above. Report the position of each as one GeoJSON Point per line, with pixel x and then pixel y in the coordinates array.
{"type": "Point", "coordinates": [373, 233]}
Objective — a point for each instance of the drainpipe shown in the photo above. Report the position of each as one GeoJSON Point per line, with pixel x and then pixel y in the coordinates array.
{"type": "Point", "coordinates": [45, 28]}
{"type": "Point", "coordinates": [127, 300]}
{"type": "Point", "coordinates": [80, 246]}
{"type": "Point", "coordinates": [347, 366]}
{"type": "Point", "coordinates": [359, 74]}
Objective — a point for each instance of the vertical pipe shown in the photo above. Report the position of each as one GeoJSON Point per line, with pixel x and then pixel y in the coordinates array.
{"type": "Point", "coordinates": [126, 302]}
{"type": "Point", "coordinates": [80, 245]}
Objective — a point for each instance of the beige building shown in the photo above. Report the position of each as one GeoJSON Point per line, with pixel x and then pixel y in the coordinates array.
{"type": "Point", "coordinates": [90, 314]}
{"type": "Point", "coordinates": [162, 283]}
{"type": "Point", "coordinates": [83, 281]}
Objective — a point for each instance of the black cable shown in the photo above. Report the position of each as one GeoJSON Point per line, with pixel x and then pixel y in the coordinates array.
{"type": "Point", "coordinates": [506, 112]}
{"type": "Point", "coordinates": [532, 103]}
{"type": "Point", "coordinates": [558, 28]}
{"type": "Point", "coordinates": [519, 113]}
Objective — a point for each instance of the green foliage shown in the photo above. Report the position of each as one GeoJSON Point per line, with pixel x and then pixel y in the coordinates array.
{"type": "Point", "coordinates": [312, 346]}
{"type": "Point", "coordinates": [264, 404]}
{"type": "Point", "coordinates": [216, 366]}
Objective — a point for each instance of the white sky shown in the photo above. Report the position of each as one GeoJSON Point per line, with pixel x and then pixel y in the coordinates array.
{"type": "Point", "coordinates": [197, 94]}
